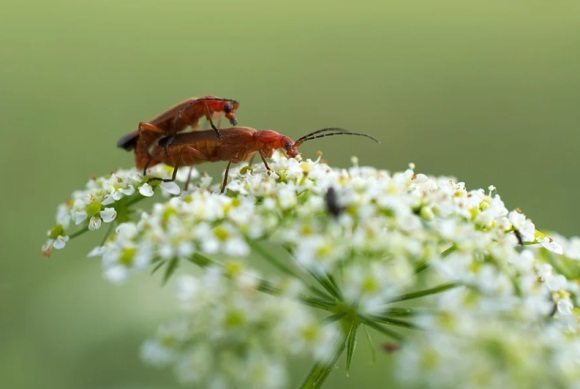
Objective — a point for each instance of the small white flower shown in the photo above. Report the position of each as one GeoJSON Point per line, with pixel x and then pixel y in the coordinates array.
{"type": "Point", "coordinates": [551, 245]}
{"type": "Point", "coordinates": [128, 191]}
{"type": "Point", "coordinates": [80, 216]}
{"type": "Point", "coordinates": [146, 190]}
{"type": "Point", "coordinates": [523, 225]}
{"type": "Point", "coordinates": [60, 242]}
{"type": "Point", "coordinates": [94, 223]}
{"type": "Point", "coordinates": [170, 187]}
{"type": "Point", "coordinates": [155, 353]}
{"type": "Point", "coordinates": [108, 200]}
{"type": "Point", "coordinates": [96, 252]}
{"type": "Point", "coordinates": [116, 274]}
{"type": "Point", "coordinates": [63, 216]}
{"type": "Point", "coordinates": [565, 307]}
{"type": "Point", "coordinates": [108, 214]}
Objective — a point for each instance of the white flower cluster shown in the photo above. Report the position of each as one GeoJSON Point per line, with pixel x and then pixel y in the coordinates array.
{"type": "Point", "coordinates": [232, 335]}
{"type": "Point", "coordinates": [98, 203]}
{"type": "Point", "coordinates": [389, 251]}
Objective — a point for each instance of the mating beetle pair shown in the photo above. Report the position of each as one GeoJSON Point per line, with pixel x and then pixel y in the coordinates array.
{"type": "Point", "coordinates": [161, 139]}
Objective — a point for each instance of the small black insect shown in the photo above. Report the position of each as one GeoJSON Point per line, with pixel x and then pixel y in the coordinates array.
{"type": "Point", "coordinates": [332, 202]}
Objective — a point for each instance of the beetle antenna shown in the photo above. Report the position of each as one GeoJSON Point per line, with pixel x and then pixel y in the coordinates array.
{"type": "Point", "coordinates": [330, 132]}
{"type": "Point", "coordinates": [335, 129]}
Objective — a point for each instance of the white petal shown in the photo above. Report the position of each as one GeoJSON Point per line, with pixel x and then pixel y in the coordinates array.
{"type": "Point", "coordinates": [108, 200]}
{"type": "Point", "coordinates": [60, 242]}
{"type": "Point", "coordinates": [96, 252]}
{"type": "Point", "coordinates": [80, 216]}
{"type": "Point", "coordinates": [108, 214]}
{"type": "Point", "coordinates": [63, 215]}
{"type": "Point", "coordinates": [116, 274]}
{"type": "Point", "coordinates": [95, 223]}
{"type": "Point", "coordinates": [129, 190]}
{"type": "Point", "coordinates": [565, 307]}
{"type": "Point", "coordinates": [170, 187]}
{"type": "Point", "coordinates": [549, 244]}
{"type": "Point", "coordinates": [135, 176]}
{"type": "Point", "coordinates": [155, 353]}
{"type": "Point", "coordinates": [146, 190]}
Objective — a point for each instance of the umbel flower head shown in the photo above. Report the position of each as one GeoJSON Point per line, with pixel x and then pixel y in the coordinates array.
{"type": "Point", "coordinates": [459, 288]}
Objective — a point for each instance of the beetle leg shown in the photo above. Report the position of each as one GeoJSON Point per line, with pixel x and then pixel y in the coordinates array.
{"type": "Point", "coordinates": [208, 116]}
{"type": "Point", "coordinates": [173, 175]}
{"type": "Point", "coordinates": [147, 166]}
{"type": "Point", "coordinates": [251, 159]}
{"type": "Point", "coordinates": [169, 141]}
{"type": "Point", "coordinates": [265, 163]}
{"type": "Point", "coordinates": [226, 177]}
{"type": "Point", "coordinates": [188, 178]}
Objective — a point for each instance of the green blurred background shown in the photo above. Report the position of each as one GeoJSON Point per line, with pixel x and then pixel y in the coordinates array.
{"type": "Point", "coordinates": [486, 91]}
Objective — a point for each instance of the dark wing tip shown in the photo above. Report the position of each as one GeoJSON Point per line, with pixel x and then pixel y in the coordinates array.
{"type": "Point", "coordinates": [128, 142]}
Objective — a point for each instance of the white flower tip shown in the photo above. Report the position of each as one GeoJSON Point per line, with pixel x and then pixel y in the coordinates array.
{"type": "Point", "coordinates": [146, 190]}
{"type": "Point", "coordinates": [116, 274]}
{"type": "Point", "coordinates": [170, 187]}
{"type": "Point", "coordinates": [551, 245]}
{"type": "Point", "coordinates": [128, 191]}
{"type": "Point", "coordinates": [96, 252]}
{"type": "Point", "coordinates": [108, 214]}
{"type": "Point", "coordinates": [565, 307]}
{"type": "Point", "coordinates": [80, 216]}
{"type": "Point", "coordinates": [46, 249]}
{"type": "Point", "coordinates": [60, 242]}
{"type": "Point", "coordinates": [95, 223]}
{"type": "Point", "coordinates": [205, 181]}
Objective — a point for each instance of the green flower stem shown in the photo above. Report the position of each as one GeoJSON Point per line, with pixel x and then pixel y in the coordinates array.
{"type": "Point", "coordinates": [371, 345]}
{"type": "Point", "coordinates": [449, 251]}
{"type": "Point", "coordinates": [327, 284]}
{"type": "Point", "coordinates": [320, 371]}
{"type": "Point", "coordinates": [406, 312]}
{"type": "Point", "coordinates": [319, 303]}
{"type": "Point", "coordinates": [382, 329]}
{"type": "Point", "coordinates": [109, 230]}
{"type": "Point", "coordinates": [158, 265]}
{"type": "Point", "coordinates": [79, 232]}
{"type": "Point", "coordinates": [266, 287]}
{"type": "Point", "coordinates": [333, 282]}
{"type": "Point", "coordinates": [280, 266]}
{"type": "Point", "coordinates": [271, 259]}
{"type": "Point", "coordinates": [396, 322]}
{"type": "Point", "coordinates": [426, 292]}
{"type": "Point", "coordinates": [422, 266]}
{"type": "Point", "coordinates": [335, 317]}
{"type": "Point", "coordinates": [170, 269]}
{"type": "Point", "coordinates": [200, 259]}
{"type": "Point", "coordinates": [322, 302]}
{"type": "Point", "coordinates": [351, 343]}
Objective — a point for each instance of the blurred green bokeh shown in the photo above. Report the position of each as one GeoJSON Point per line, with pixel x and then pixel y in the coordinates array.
{"type": "Point", "coordinates": [486, 91]}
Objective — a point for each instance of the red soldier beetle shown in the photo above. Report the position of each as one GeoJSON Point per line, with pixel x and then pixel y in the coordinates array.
{"type": "Point", "coordinates": [237, 144]}
{"type": "Point", "coordinates": [174, 120]}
